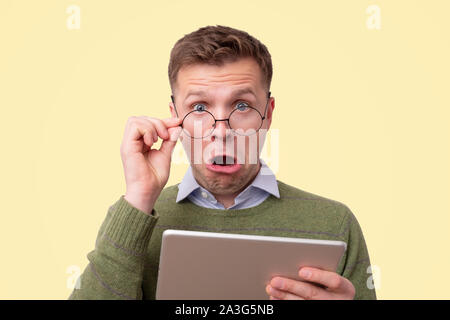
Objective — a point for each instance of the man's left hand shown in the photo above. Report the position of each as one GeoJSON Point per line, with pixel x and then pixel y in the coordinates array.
{"type": "Point", "coordinates": [316, 284]}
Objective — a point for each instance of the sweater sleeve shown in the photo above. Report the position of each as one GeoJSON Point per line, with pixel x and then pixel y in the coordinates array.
{"type": "Point", "coordinates": [356, 262]}
{"type": "Point", "coordinates": [116, 265]}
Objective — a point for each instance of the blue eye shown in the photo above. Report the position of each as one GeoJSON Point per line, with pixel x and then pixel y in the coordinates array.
{"type": "Point", "coordinates": [242, 106]}
{"type": "Point", "coordinates": [199, 107]}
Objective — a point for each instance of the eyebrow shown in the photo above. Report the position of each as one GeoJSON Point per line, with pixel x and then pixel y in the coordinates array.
{"type": "Point", "coordinates": [201, 93]}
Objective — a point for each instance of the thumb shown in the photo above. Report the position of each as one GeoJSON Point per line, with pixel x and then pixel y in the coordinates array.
{"type": "Point", "coordinates": [167, 146]}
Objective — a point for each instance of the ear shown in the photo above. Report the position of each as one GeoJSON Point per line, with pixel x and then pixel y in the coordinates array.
{"type": "Point", "coordinates": [172, 108]}
{"type": "Point", "coordinates": [270, 107]}
{"type": "Point", "coordinates": [174, 115]}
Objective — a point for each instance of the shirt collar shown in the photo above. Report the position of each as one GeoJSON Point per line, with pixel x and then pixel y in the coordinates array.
{"type": "Point", "coordinates": [264, 180]}
{"type": "Point", "coordinates": [187, 185]}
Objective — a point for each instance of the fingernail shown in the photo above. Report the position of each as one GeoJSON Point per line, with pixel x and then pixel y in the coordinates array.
{"type": "Point", "coordinates": [173, 136]}
{"type": "Point", "coordinates": [277, 283]}
{"type": "Point", "coordinates": [305, 273]}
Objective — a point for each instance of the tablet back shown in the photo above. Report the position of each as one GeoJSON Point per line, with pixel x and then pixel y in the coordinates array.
{"type": "Point", "coordinates": [208, 266]}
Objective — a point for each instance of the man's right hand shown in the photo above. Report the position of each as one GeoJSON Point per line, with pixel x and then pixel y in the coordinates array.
{"type": "Point", "coordinates": [146, 169]}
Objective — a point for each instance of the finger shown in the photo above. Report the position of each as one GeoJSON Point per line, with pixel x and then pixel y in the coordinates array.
{"type": "Point", "coordinates": [174, 133]}
{"type": "Point", "coordinates": [151, 131]}
{"type": "Point", "coordinates": [329, 279]}
{"type": "Point", "coordinates": [172, 122]}
{"type": "Point", "coordinates": [145, 148]}
{"type": "Point", "coordinates": [160, 127]}
{"type": "Point", "coordinates": [167, 146]}
{"type": "Point", "coordinates": [137, 129]}
{"type": "Point", "coordinates": [168, 122]}
{"type": "Point", "coordinates": [149, 138]}
{"type": "Point", "coordinates": [157, 128]}
{"type": "Point", "coordinates": [301, 289]}
{"type": "Point", "coordinates": [138, 134]}
{"type": "Point", "coordinates": [281, 295]}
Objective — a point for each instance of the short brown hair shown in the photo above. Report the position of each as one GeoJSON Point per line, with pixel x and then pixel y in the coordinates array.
{"type": "Point", "coordinates": [216, 45]}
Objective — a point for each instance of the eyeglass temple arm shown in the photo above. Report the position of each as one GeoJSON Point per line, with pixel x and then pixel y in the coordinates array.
{"type": "Point", "coordinates": [268, 97]}
{"type": "Point", "coordinates": [173, 101]}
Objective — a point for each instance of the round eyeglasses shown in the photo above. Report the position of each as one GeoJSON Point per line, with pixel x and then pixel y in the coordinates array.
{"type": "Point", "coordinates": [244, 120]}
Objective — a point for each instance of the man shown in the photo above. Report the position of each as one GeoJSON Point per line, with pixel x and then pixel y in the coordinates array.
{"type": "Point", "coordinates": [220, 79]}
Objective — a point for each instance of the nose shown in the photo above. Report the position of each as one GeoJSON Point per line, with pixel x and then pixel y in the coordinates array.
{"type": "Point", "coordinates": [221, 130]}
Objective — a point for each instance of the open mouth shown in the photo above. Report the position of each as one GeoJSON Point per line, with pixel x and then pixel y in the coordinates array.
{"type": "Point", "coordinates": [223, 164]}
{"type": "Point", "coordinates": [222, 160]}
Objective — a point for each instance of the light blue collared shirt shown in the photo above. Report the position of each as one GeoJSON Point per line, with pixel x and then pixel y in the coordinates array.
{"type": "Point", "coordinates": [264, 184]}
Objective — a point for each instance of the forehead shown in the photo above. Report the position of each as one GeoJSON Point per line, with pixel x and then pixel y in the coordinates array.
{"type": "Point", "coordinates": [242, 74]}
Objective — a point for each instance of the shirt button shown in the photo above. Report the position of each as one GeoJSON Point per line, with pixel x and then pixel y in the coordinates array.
{"type": "Point", "coordinates": [204, 194]}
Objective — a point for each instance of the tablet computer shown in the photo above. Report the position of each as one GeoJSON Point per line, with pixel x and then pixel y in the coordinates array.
{"type": "Point", "coordinates": [196, 265]}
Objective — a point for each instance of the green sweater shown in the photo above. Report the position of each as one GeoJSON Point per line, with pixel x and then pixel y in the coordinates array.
{"type": "Point", "coordinates": [124, 263]}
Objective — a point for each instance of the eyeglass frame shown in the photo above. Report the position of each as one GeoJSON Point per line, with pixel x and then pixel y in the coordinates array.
{"type": "Point", "coordinates": [227, 119]}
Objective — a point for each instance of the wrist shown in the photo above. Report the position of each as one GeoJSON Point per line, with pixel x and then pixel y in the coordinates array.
{"type": "Point", "coordinates": [144, 203]}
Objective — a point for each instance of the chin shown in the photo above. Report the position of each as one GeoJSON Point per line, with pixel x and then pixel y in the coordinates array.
{"type": "Point", "coordinates": [222, 183]}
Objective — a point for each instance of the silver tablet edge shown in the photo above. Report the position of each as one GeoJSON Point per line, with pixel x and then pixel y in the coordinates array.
{"type": "Point", "coordinates": [170, 232]}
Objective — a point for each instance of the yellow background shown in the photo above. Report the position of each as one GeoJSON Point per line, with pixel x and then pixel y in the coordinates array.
{"type": "Point", "coordinates": [363, 118]}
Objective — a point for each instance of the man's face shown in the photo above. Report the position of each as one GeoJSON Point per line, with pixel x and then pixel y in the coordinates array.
{"type": "Point", "coordinates": [215, 89]}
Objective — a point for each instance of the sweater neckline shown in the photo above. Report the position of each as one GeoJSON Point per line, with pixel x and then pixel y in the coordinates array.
{"type": "Point", "coordinates": [231, 212]}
